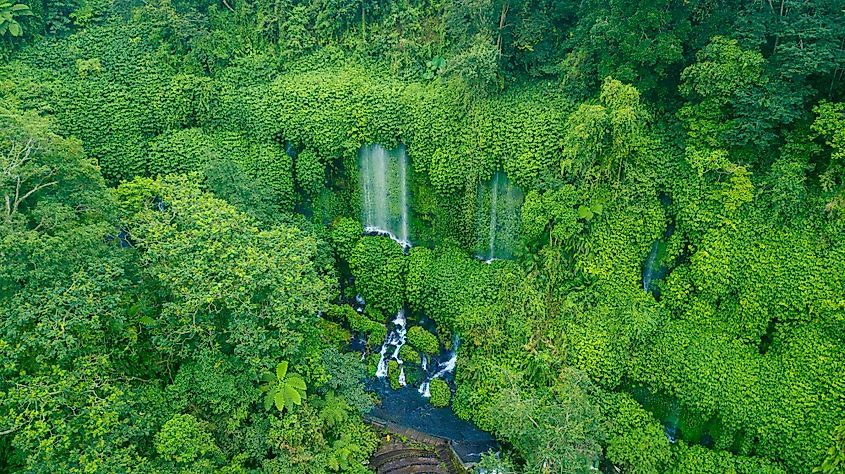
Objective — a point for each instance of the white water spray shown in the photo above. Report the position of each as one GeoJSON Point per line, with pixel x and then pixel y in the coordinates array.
{"type": "Point", "coordinates": [396, 339]}
{"type": "Point", "coordinates": [444, 368]}
{"type": "Point", "coordinates": [383, 176]}
{"type": "Point", "coordinates": [403, 196]}
{"type": "Point", "coordinates": [497, 219]}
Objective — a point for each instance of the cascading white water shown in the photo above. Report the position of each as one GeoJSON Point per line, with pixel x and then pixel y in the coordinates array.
{"type": "Point", "coordinates": [383, 177]}
{"type": "Point", "coordinates": [395, 338]}
{"type": "Point", "coordinates": [381, 370]}
{"type": "Point", "coordinates": [444, 368]}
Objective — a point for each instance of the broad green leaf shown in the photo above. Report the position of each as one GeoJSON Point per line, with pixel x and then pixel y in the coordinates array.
{"type": "Point", "coordinates": [281, 370]}
{"type": "Point", "coordinates": [15, 28]}
{"type": "Point", "coordinates": [296, 381]}
{"type": "Point", "coordinates": [279, 400]}
{"type": "Point", "coordinates": [584, 212]}
{"type": "Point", "coordinates": [292, 395]}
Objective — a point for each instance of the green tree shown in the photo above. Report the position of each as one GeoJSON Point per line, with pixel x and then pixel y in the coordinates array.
{"type": "Point", "coordinates": [310, 172]}
{"type": "Point", "coordinates": [217, 273]}
{"type": "Point", "coordinates": [604, 138]}
{"type": "Point", "coordinates": [41, 170]}
{"type": "Point", "coordinates": [829, 125]}
{"type": "Point", "coordinates": [183, 439]}
{"type": "Point", "coordinates": [556, 435]}
{"type": "Point", "coordinates": [345, 235]}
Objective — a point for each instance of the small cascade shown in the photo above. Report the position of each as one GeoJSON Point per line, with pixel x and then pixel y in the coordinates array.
{"type": "Point", "coordinates": [290, 150]}
{"type": "Point", "coordinates": [381, 370]}
{"type": "Point", "coordinates": [383, 177]}
{"type": "Point", "coordinates": [671, 432]}
{"type": "Point", "coordinates": [395, 339]}
{"type": "Point", "coordinates": [423, 362]}
{"type": "Point", "coordinates": [444, 368]}
{"type": "Point", "coordinates": [649, 267]}
{"type": "Point", "coordinates": [654, 268]}
{"type": "Point", "coordinates": [670, 427]}
{"type": "Point", "coordinates": [494, 212]}
{"type": "Point", "coordinates": [497, 218]}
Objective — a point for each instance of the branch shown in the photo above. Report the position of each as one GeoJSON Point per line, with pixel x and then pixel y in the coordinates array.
{"type": "Point", "coordinates": [19, 199]}
{"type": "Point", "coordinates": [35, 190]}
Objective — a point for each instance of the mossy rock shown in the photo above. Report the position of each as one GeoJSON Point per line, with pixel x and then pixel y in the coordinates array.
{"type": "Point", "coordinates": [393, 370]}
{"type": "Point", "coordinates": [409, 355]}
{"type": "Point", "coordinates": [372, 363]}
{"type": "Point", "coordinates": [333, 333]}
{"type": "Point", "coordinates": [423, 340]}
{"type": "Point", "coordinates": [412, 374]}
{"type": "Point", "coordinates": [440, 393]}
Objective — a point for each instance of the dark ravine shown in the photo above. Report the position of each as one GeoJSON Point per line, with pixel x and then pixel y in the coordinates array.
{"type": "Point", "coordinates": [405, 408]}
{"type": "Point", "coordinates": [408, 408]}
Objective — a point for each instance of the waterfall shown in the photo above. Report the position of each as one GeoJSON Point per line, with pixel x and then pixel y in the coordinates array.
{"type": "Point", "coordinates": [497, 218]}
{"type": "Point", "coordinates": [396, 339]}
{"type": "Point", "coordinates": [444, 368]}
{"type": "Point", "coordinates": [648, 267]}
{"type": "Point", "coordinates": [403, 197]}
{"type": "Point", "coordinates": [376, 200]}
{"type": "Point", "coordinates": [494, 197]}
{"type": "Point", "coordinates": [383, 176]}
{"type": "Point", "coordinates": [381, 371]}
{"type": "Point", "coordinates": [653, 270]}
{"type": "Point", "coordinates": [670, 427]}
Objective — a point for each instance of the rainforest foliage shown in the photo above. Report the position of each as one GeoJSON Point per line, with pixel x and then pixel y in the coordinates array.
{"type": "Point", "coordinates": [180, 232]}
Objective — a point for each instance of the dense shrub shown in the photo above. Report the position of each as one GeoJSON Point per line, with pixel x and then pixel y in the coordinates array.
{"type": "Point", "coordinates": [345, 234]}
{"type": "Point", "coordinates": [379, 267]}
